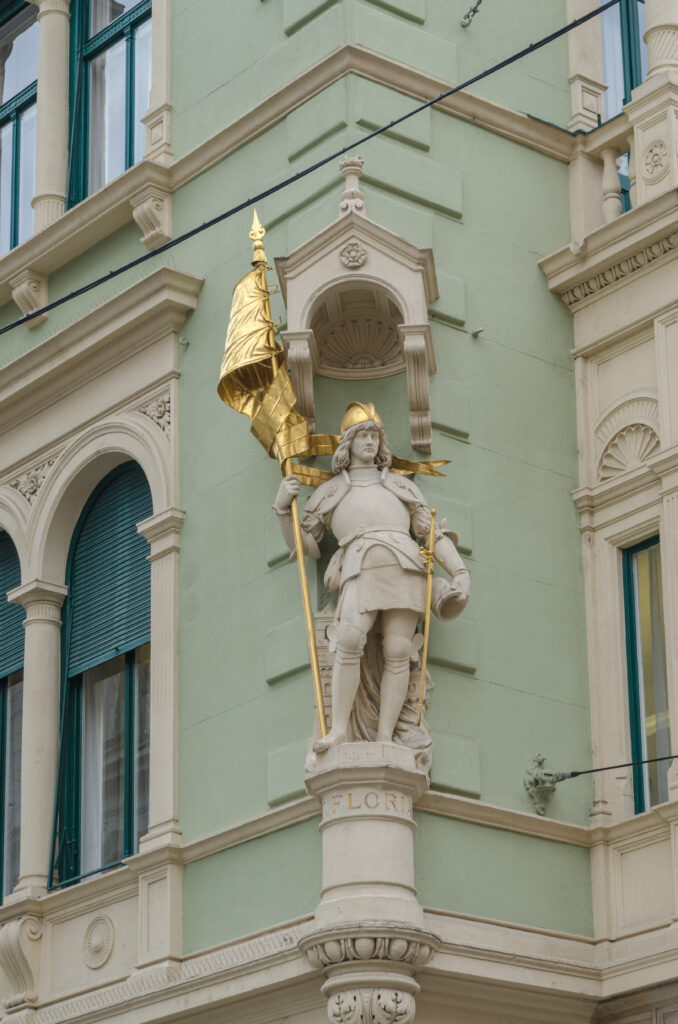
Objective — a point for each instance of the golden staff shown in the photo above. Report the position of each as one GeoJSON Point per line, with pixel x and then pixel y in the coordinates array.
{"type": "Point", "coordinates": [429, 560]}
{"type": "Point", "coordinates": [287, 470]}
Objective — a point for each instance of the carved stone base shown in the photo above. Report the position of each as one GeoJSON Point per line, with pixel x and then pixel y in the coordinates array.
{"type": "Point", "coordinates": [370, 939]}
{"type": "Point", "coordinates": [367, 792]}
{"type": "Point", "coordinates": [370, 970]}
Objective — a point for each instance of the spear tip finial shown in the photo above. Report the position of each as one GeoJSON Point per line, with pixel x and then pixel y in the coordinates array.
{"type": "Point", "coordinates": [257, 232]}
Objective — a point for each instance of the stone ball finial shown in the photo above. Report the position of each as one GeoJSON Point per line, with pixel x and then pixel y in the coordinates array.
{"type": "Point", "coordinates": [352, 198]}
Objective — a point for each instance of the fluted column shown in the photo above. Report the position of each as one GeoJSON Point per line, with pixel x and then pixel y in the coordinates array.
{"type": "Point", "coordinates": [661, 36]}
{"type": "Point", "coordinates": [51, 146]}
{"type": "Point", "coordinates": [40, 728]}
{"type": "Point", "coordinates": [162, 532]}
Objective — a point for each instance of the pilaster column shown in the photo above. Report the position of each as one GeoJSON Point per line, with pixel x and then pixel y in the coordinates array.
{"type": "Point", "coordinates": [653, 110]}
{"type": "Point", "coordinates": [40, 728]}
{"type": "Point", "coordinates": [51, 147]}
{"type": "Point", "coordinates": [669, 555]}
{"type": "Point", "coordinates": [157, 117]}
{"type": "Point", "coordinates": [162, 532]}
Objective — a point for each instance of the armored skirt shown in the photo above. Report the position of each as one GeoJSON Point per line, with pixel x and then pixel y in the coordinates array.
{"type": "Point", "coordinates": [383, 583]}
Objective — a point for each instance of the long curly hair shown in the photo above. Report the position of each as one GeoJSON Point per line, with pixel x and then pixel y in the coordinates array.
{"type": "Point", "coordinates": [342, 456]}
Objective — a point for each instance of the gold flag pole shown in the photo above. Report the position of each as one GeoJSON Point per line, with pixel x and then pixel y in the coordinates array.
{"type": "Point", "coordinates": [254, 380]}
{"type": "Point", "coordinates": [308, 612]}
{"type": "Point", "coordinates": [429, 559]}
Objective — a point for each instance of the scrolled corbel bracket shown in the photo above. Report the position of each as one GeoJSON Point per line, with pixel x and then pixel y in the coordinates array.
{"type": "Point", "coordinates": [19, 961]}
{"type": "Point", "coordinates": [152, 211]}
{"type": "Point", "coordinates": [29, 292]}
{"type": "Point", "coordinates": [302, 359]}
{"type": "Point", "coordinates": [420, 364]}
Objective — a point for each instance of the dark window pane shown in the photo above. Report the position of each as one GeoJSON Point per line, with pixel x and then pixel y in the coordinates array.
{"type": "Point", "coordinates": [103, 12]}
{"type": "Point", "coordinates": [107, 116]}
{"type": "Point", "coordinates": [6, 149]}
{"type": "Point", "coordinates": [12, 794]}
{"type": "Point", "coordinates": [26, 173]}
{"type": "Point", "coordinates": [103, 764]}
{"type": "Point", "coordinates": [18, 53]}
{"type": "Point", "coordinates": [142, 85]}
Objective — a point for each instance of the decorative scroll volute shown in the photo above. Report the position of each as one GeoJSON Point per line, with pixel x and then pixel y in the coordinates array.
{"type": "Point", "coordinates": [19, 961]}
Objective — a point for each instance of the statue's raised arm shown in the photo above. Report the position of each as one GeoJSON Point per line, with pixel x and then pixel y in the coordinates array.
{"type": "Point", "coordinates": [378, 518]}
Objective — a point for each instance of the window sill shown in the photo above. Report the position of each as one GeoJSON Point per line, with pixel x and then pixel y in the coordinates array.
{"type": "Point", "coordinates": [142, 194]}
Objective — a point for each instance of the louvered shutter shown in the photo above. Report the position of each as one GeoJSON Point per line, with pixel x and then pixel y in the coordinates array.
{"type": "Point", "coordinates": [110, 578]}
{"type": "Point", "coordinates": [11, 615]}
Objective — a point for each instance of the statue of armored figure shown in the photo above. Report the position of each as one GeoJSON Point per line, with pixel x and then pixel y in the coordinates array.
{"type": "Point", "coordinates": [379, 519]}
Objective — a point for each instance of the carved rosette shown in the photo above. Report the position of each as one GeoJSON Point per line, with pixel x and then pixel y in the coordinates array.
{"type": "Point", "coordinates": [655, 161]}
{"type": "Point", "coordinates": [97, 944]}
{"type": "Point", "coordinates": [353, 254]}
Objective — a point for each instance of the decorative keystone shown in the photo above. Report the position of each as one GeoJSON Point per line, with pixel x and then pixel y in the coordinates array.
{"type": "Point", "coordinates": [352, 198]}
{"type": "Point", "coordinates": [29, 291]}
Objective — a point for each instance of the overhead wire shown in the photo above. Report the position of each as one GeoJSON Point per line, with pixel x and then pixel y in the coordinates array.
{"type": "Point", "coordinates": [271, 190]}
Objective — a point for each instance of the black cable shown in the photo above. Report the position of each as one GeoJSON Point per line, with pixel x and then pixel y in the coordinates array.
{"type": "Point", "coordinates": [308, 170]}
{"type": "Point", "coordinates": [611, 767]}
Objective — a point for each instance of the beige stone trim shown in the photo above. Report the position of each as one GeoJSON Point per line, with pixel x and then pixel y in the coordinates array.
{"type": "Point", "coordinates": [139, 314]}
{"type": "Point", "coordinates": [144, 191]}
{"type": "Point", "coordinates": [615, 252]}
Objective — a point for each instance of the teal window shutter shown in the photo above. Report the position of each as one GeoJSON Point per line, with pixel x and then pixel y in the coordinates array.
{"type": "Point", "coordinates": [109, 600]}
{"type": "Point", "coordinates": [11, 615]}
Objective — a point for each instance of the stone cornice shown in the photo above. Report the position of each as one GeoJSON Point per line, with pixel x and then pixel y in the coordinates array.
{"type": "Point", "coordinates": [615, 252]}
{"type": "Point", "coordinates": [142, 193]}
{"type": "Point", "coordinates": [155, 306]}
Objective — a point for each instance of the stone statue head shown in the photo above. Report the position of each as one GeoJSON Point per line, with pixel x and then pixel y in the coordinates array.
{"type": "Point", "coordinates": [360, 418]}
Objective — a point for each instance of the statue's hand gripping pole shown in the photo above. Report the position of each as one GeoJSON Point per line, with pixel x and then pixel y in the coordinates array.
{"type": "Point", "coordinates": [308, 612]}
{"type": "Point", "coordinates": [429, 561]}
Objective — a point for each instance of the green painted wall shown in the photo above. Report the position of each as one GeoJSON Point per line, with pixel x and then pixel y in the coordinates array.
{"type": "Point", "coordinates": [252, 887]}
{"type": "Point", "coordinates": [511, 673]}
{"type": "Point", "coordinates": [502, 875]}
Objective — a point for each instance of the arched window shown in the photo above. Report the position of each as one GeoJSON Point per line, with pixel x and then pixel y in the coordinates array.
{"type": "Point", "coordinates": [11, 700]}
{"type": "Point", "coordinates": [102, 807]}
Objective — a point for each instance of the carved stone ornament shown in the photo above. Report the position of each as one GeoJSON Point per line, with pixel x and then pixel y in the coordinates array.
{"type": "Point", "coordinates": [380, 1005]}
{"type": "Point", "coordinates": [540, 783]}
{"type": "Point", "coordinates": [397, 948]}
{"type": "Point", "coordinates": [353, 254]}
{"type": "Point", "coordinates": [629, 265]}
{"type": "Point", "coordinates": [628, 449]}
{"type": "Point", "coordinates": [655, 161]}
{"type": "Point", "coordinates": [30, 482]}
{"type": "Point", "coordinates": [19, 959]}
{"type": "Point", "coordinates": [29, 291]}
{"type": "Point", "coordinates": [97, 944]}
{"type": "Point", "coordinates": [152, 211]}
{"type": "Point", "coordinates": [160, 411]}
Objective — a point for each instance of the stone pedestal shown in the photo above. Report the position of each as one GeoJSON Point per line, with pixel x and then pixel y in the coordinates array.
{"type": "Point", "coordinates": [370, 936]}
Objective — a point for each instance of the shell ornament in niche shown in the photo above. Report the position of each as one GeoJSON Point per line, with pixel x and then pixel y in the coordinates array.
{"type": "Point", "coordinates": [627, 450]}
{"type": "Point", "coordinates": [359, 344]}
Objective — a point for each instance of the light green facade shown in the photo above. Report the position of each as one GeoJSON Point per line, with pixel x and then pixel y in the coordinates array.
{"type": "Point", "coordinates": [510, 675]}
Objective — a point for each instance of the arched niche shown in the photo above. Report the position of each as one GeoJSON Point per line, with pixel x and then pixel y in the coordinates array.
{"type": "Point", "coordinates": [357, 298]}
